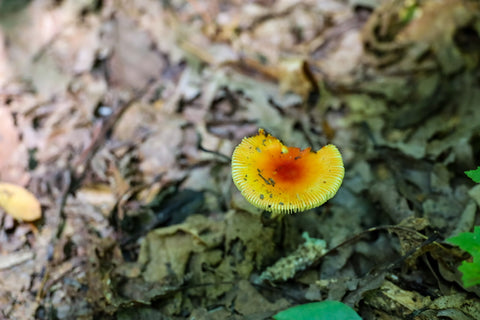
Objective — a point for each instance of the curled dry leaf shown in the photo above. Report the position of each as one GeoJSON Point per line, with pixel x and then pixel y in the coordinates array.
{"type": "Point", "coordinates": [19, 202]}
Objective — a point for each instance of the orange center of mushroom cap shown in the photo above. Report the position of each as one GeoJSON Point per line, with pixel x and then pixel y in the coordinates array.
{"type": "Point", "coordinates": [284, 179]}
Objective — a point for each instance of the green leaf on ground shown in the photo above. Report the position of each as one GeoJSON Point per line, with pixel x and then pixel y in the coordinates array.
{"type": "Point", "coordinates": [324, 310]}
{"type": "Point", "coordinates": [474, 174]}
{"type": "Point", "coordinates": [469, 242]}
{"type": "Point", "coordinates": [470, 273]}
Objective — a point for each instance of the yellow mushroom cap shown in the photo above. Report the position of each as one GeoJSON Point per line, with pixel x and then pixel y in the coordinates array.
{"type": "Point", "coordinates": [284, 179]}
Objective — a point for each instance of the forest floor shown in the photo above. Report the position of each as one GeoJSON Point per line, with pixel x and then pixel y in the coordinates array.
{"type": "Point", "coordinates": [121, 117]}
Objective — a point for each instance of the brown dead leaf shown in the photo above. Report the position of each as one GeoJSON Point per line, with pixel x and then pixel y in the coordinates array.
{"type": "Point", "coordinates": [170, 261]}
{"type": "Point", "coordinates": [13, 155]}
{"type": "Point", "coordinates": [15, 258]}
{"type": "Point", "coordinates": [133, 63]}
{"type": "Point", "coordinates": [19, 202]}
{"type": "Point", "coordinates": [250, 302]}
{"type": "Point", "coordinates": [295, 76]}
{"type": "Point", "coordinates": [6, 71]}
{"type": "Point", "coordinates": [342, 53]}
{"type": "Point", "coordinates": [99, 195]}
{"type": "Point", "coordinates": [399, 302]}
{"type": "Point", "coordinates": [177, 244]}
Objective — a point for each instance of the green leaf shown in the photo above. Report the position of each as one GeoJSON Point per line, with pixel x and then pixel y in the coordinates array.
{"type": "Point", "coordinates": [325, 310]}
{"type": "Point", "coordinates": [474, 174]}
{"type": "Point", "coordinates": [469, 242]}
{"type": "Point", "coordinates": [470, 273]}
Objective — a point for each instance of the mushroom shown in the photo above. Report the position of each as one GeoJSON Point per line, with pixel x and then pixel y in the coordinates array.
{"type": "Point", "coordinates": [284, 179]}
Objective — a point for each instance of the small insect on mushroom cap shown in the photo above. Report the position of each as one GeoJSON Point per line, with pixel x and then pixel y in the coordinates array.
{"type": "Point", "coordinates": [284, 179]}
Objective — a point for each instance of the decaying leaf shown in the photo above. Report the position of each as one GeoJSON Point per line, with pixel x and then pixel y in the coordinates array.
{"type": "Point", "coordinates": [19, 202]}
{"type": "Point", "coordinates": [305, 255]}
{"type": "Point", "coordinates": [398, 301]}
